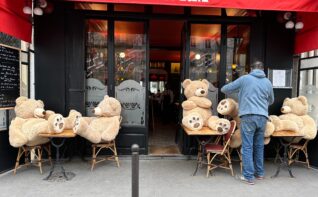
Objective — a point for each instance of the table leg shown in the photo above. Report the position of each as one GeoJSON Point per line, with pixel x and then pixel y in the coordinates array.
{"type": "Point", "coordinates": [284, 160]}
{"type": "Point", "coordinates": [57, 160]}
{"type": "Point", "coordinates": [201, 152]}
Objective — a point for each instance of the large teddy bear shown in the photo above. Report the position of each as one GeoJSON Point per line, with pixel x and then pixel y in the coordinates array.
{"type": "Point", "coordinates": [229, 107]}
{"type": "Point", "coordinates": [29, 123]}
{"type": "Point", "coordinates": [197, 108]}
{"type": "Point", "coordinates": [105, 126]}
{"type": "Point", "coordinates": [295, 118]}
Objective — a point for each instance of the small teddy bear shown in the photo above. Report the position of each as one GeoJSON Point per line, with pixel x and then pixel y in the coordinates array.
{"type": "Point", "coordinates": [105, 126]}
{"type": "Point", "coordinates": [29, 123]}
{"type": "Point", "coordinates": [197, 108]}
{"type": "Point", "coordinates": [229, 107]}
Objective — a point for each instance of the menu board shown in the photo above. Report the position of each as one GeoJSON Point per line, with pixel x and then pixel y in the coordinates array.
{"type": "Point", "coordinates": [9, 76]}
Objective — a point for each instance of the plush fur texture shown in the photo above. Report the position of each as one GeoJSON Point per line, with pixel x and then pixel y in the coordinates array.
{"type": "Point", "coordinates": [229, 107]}
{"type": "Point", "coordinates": [105, 126]}
{"type": "Point", "coordinates": [30, 122]}
{"type": "Point", "coordinates": [193, 121]}
{"type": "Point", "coordinates": [295, 118]}
{"type": "Point", "coordinates": [70, 119]}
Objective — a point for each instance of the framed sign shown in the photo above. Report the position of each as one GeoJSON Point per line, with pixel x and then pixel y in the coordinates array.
{"type": "Point", "coordinates": [3, 120]}
{"type": "Point", "coordinates": [280, 78]}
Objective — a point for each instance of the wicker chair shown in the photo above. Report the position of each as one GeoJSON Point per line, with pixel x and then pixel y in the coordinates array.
{"type": "Point", "coordinates": [295, 149]}
{"type": "Point", "coordinates": [215, 150]}
{"type": "Point", "coordinates": [26, 151]}
{"type": "Point", "coordinates": [96, 148]}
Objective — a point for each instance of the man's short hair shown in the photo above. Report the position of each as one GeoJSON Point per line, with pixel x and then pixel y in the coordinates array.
{"type": "Point", "coordinates": [257, 65]}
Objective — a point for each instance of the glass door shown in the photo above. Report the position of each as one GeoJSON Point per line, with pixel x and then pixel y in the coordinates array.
{"type": "Point", "coordinates": [205, 48]}
{"type": "Point", "coordinates": [130, 71]}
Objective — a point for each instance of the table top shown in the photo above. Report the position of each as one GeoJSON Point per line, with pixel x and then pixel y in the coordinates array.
{"type": "Point", "coordinates": [286, 134]}
{"type": "Point", "coordinates": [65, 134]}
{"type": "Point", "coordinates": [203, 131]}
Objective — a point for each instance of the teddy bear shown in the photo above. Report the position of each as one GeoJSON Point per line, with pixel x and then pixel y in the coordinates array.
{"type": "Point", "coordinates": [69, 121]}
{"type": "Point", "coordinates": [29, 122]}
{"type": "Point", "coordinates": [295, 118]}
{"type": "Point", "coordinates": [229, 107]}
{"type": "Point", "coordinates": [197, 108]}
{"type": "Point", "coordinates": [105, 126]}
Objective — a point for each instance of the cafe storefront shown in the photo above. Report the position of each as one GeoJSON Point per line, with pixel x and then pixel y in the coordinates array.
{"type": "Point", "coordinates": [87, 49]}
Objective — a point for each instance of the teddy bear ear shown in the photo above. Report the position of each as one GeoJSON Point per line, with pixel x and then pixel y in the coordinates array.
{"type": "Point", "coordinates": [20, 100]}
{"type": "Point", "coordinates": [186, 83]}
{"type": "Point", "coordinates": [106, 96]}
{"type": "Point", "coordinates": [206, 82]}
{"type": "Point", "coordinates": [303, 100]}
{"type": "Point", "coordinates": [286, 99]}
{"type": "Point", "coordinates": [41, 102]}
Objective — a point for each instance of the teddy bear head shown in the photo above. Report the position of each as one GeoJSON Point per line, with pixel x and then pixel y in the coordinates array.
{"type": "Point", "coordinates": [108, 107]}
{"type": "Point", "coordinates": [29, 108]}
{"type": "Point", "coordinates": [195, 88]}
{"type": "Point", "coordinates": [297, 105]}
{"type": "Point", "coordinates": [228, 107]}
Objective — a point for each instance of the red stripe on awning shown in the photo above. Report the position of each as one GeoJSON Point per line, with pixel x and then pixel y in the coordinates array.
{"type": "Point", "coordinates": [13, 21]}
{"type": "Point", "coordinates": [307, 38]}
{"type": "Point", "coordinates": [290, 5]}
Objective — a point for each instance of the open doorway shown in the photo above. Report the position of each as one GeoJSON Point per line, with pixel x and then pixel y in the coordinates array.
{"type": "Point", "coordinates": [164, 88]}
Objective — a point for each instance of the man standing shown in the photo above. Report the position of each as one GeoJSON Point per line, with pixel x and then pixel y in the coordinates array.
{"type": "Point", "coordinates": [255, 94]}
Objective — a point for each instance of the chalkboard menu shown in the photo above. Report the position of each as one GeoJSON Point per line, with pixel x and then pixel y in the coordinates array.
{"type": "Point", "coordinates": [9, 76]}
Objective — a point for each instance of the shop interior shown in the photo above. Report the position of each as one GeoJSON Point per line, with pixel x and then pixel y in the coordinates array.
{"type": "Point", "coordinates": [164, 88]}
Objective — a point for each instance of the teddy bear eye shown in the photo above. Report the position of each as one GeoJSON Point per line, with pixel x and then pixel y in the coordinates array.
{"type": "Point", "coordinates": [220, 124]}
{"type": "Point", "coordinates": [198, 118]}
{"type": "Point", "coordinates": [193, 118]}
{"type": "Point", "coordinates": [190, 121]}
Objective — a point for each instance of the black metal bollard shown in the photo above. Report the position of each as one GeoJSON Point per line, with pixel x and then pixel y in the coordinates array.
{"type": "Point", "coordinates": [135, 170]}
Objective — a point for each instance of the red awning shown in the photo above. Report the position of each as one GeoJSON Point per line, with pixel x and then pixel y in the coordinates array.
{"type": "Point", "coordinates": [290, 5]}
{"type": "Point", "coordinates": [13, 21]}
{"type": "Point", "coordinates": [307, 38]}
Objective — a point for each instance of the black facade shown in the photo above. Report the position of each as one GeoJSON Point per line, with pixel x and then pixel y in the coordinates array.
{"type": "Point", "coordinates": [59, 60]}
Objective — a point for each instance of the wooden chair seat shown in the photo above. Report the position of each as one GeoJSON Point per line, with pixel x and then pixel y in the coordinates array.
{"type": "Point", "coordinates": [26, 151]}
{"type": "Point", "coordinates": [214, 148]}
{"type": "Point", "coordinates": [96, 148]}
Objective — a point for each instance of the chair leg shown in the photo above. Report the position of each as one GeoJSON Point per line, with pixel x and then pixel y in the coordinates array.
{"type": "Point", "coordinates": [40, 158]}
{"type": "Point", "coordinates": [27, 153]}
{"type": "Point", "coordinates": [93, 157]}
{"type": "Point", "coordinates": [307, 160]}
{"type": "Point", "coordinates": [115, 154]}
{"type": "Point", "coordinates": [49, 153]}
{"type": "Point", "coordinates": [20, 153]}
{"type": "Point", "coordinates": [230, 163]}
{"type": "Point", "coordinates": [240, 157]}
{"type": "Point", "coordinates": [209, 165]}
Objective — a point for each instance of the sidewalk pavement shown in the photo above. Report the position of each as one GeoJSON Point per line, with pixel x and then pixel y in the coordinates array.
{"type": "Point", "coordinates": [158, 178]}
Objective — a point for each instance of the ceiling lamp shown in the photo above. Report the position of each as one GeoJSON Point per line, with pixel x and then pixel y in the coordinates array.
{"type": "Point", "coordinates": [35, 7]}
{"type": "Point", "coordinates": [292, 21]}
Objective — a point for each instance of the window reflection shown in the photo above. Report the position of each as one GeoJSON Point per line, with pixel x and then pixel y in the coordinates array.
{"type": "Point", "coordinates": [130, 65]}
{"type": "Point", "coordinates": [96, 63]}
{"type": "Point", "coordinates": [205, 57]}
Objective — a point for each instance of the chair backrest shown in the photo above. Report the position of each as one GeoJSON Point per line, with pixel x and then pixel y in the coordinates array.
{"type": "Point", "coordinates": [228, 135]}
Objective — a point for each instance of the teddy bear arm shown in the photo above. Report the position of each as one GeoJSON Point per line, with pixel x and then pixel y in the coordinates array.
{"type": "Point", "coordinates": [16, 137]}
{"type": "Point", "coordinates": [111, 131]}
{"type": "Point", "coordinates": [201, 102]}
{"type": "Point", "coordinates": [188, 105]}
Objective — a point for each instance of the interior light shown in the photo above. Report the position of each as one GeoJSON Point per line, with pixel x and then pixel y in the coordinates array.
{"type": "Point", "coordinates": [287, 15]}
{"type": "Point", "coordinates": [43, 3]}
{"type": "Point", "coordinates": [197, 56]}
{"type": "Point", "coordinates": [234, 66]}
{"type": "Point", "coordinates": [122, 55]}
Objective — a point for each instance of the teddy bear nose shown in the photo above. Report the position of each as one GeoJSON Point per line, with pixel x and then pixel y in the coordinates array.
{"type": "Point", "coordinates": [202, 91]}
{"type": "Point", "coordinates": [220, 129]}
{"type": "Point", "coordinates": [196, 125]}
{"type": "Point", "coordinates": [93, 111]}
{"type": "Point", "coordinates": [282, 109]}
{"type": "Point", "coordinates": [44, 112]}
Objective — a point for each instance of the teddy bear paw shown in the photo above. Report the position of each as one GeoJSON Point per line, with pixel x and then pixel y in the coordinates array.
{"type": "Point", "coordinates": [223, 106]}
{"type": "Point", "coordinates": [77, 124]}
{"type": "Point", "coordinates": [223, 126]}
{"type": "Point", "coordinates": [58, 123]}
{"type": "Point", "coordinates": [193, 121]}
